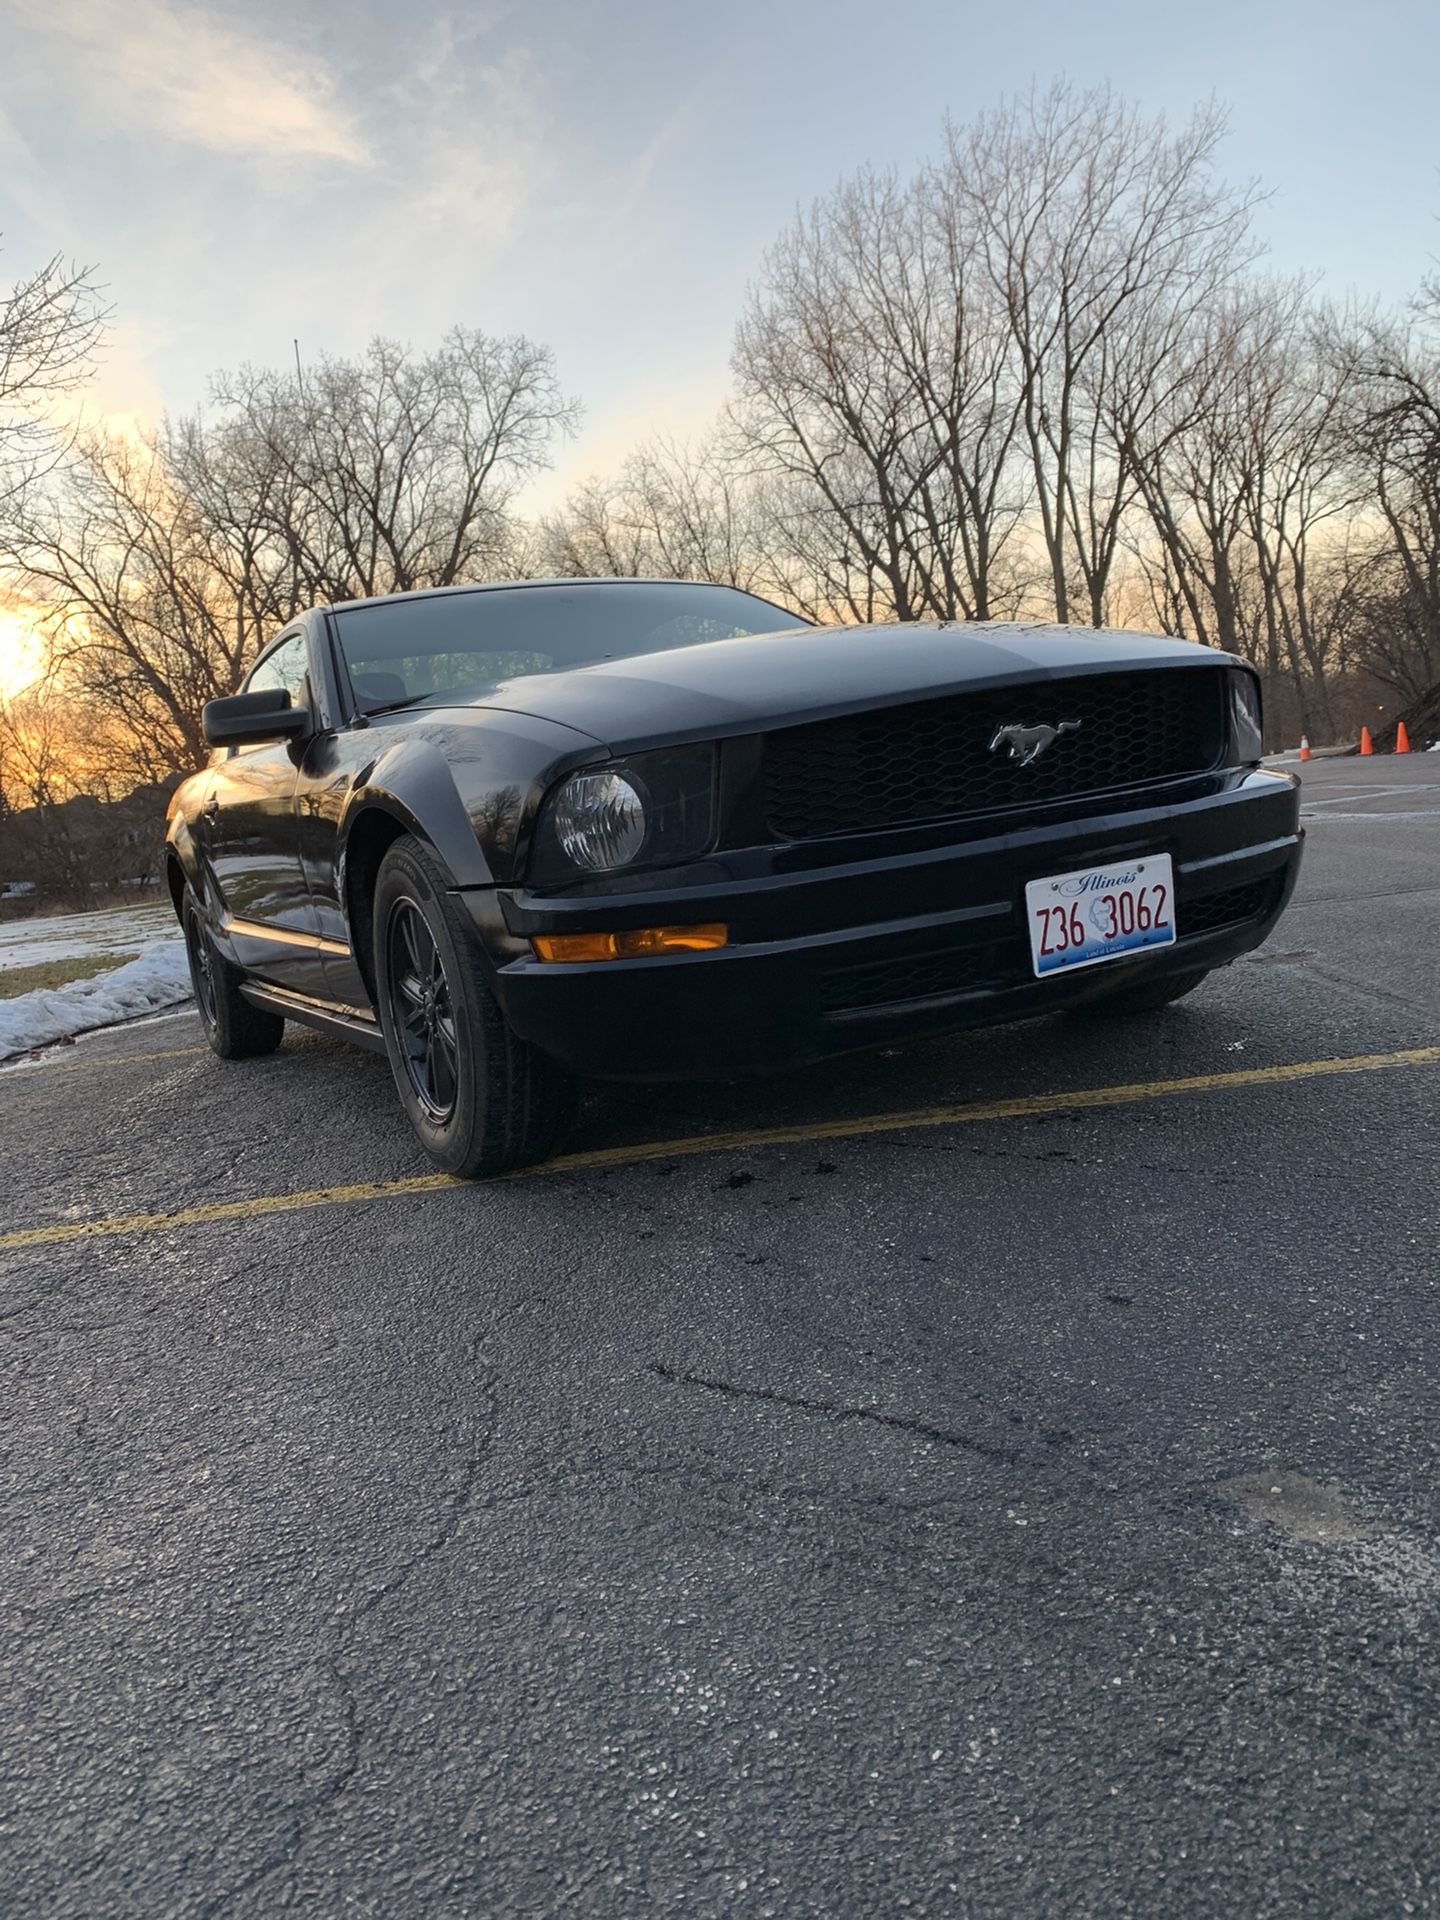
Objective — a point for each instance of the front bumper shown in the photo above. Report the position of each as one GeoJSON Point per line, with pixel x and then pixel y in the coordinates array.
{"type": "Point", "coordinates": [857, 952]}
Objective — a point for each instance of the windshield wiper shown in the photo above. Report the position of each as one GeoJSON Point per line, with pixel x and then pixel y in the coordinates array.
{"type": "Point", "coordinates": [395, 706]}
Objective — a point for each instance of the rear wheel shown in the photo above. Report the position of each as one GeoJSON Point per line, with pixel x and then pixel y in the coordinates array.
{"type": "Point", "coordinates": [480, 1099]}
{"type": "Point", "coordinates": [235, 1029]}
{"type": "Point", "coordinates": [1145, 996]}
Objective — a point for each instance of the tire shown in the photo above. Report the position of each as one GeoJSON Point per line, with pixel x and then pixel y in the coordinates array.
{"type": "Point", "coordinates": [1147, 996]}
{"type": "Point", "coordinates": [235, 1029]}
{"type": "Point", "coordinates": [481, 1100]}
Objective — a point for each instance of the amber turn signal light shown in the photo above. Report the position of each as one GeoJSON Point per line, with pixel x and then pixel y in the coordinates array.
{"type": "Point", "coordinates": [637, 943]}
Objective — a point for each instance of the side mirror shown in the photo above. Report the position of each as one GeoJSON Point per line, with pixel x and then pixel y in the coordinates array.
{"type": "Point", "coordinates": [249, 719]}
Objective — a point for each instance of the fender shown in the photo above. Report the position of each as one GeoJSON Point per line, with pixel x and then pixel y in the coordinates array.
{"type": "Point", "coordinates": [412, 783]}
{"type": "Point", "coordinates": [469, 783]}
{"type": "Point", "coordinates": [181, 848]}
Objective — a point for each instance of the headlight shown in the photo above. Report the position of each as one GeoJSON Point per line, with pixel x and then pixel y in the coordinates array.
{"type": "Point", "coordinates": [1245, 719]}
{"type": "Point", "coordinates": [648, 810]}
{"type": "Point", "coordinates": [599, 821]}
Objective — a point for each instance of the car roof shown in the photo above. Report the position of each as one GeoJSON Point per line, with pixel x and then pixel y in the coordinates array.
{"type": "Point", "coordinates": [498, 586]}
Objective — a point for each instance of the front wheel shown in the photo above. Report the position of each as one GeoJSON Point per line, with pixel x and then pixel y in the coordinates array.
{"type": "Point", "coordinates": [480, 1099]}
{"type": "Point", "coordinates": [235, 1029]}
{"type": "Point", "coordinates": [1146, 996]}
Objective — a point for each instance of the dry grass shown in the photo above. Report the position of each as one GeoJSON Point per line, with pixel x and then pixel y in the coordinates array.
{"type": "Point", "coordinates": [57, 973]}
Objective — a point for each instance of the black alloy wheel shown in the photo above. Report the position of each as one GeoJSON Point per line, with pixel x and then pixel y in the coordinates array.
{"type": "Point", "coordinates": [202, 966]}
{"type": "Point", "coordinates": [235, 1029]}
{"type": "Point", "coordinates": [421, 1013]}
{"type": "Point", "coordinates": [480, 1099]}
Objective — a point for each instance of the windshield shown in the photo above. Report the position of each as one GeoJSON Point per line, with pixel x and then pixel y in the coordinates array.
{"type": "Point", "coordinates": [455, 645]}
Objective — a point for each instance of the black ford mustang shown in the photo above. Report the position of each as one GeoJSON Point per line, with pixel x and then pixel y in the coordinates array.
{"type": "Point", "coordinates": [649, 829]}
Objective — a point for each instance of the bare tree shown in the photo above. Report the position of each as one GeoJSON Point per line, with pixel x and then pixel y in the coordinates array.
{"type": "Point", "coordinates": [396, 471]}
{"type": "Point", "coordinates": [591, 536]}
{"type": "Point", "coordinates": [1387, 371]}
{"type": "Point", "coordinates": [63, 763]}
{"type": "Point", "coordinates": [1191, 458]}
{"type": "Point", "coordinates": [35, 753]}
{"type": "Point", "coordinates": [872, 383]}
{"type": "Point", "coordinates": [165, 563]}
{"type": "Point", "coordinates": [1294, 502]}
{"type": "Point", "coordinates": [687, 511]}
{"type": "Point", "coordinates": [140, 615]}
{"type": "Point", "coordinates": [51, 324]}
{"type": "Point", "coordinates": [1105, 235]}
{"type": "Point", "coordinates": [958, 369]}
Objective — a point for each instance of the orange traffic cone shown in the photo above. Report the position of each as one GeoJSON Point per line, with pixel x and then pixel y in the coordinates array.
{"type": "Point", "coordinates": [1304, 747]}
{"type": "Point", "coordinates": [1366, 744]}
{"type": "Point", "coordinates": [1402, 739]}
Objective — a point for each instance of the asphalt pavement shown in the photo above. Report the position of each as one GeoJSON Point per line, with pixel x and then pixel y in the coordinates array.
{"type": "Point", "coordinates": [998, 1477]}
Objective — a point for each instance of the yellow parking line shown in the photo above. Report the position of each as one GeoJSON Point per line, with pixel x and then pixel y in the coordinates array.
{"type": "Point", "coordinates": [114, 1059]}
{"type": "Point", "coordinates": [1027, 1105]}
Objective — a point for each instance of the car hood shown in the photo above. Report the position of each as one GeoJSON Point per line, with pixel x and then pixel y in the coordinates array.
{"type": "Point", "coordinates": [771, 680]}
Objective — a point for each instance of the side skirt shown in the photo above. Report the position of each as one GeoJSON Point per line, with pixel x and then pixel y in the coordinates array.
{"type": "Point", "coordinates": [347, 1023]}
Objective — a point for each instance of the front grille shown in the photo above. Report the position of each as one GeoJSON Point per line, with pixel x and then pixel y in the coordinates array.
{"type": "Point", "coordinates": [921, 976]}
{"type": "Point", "coordinates": [996, 964]}
{"type": "Point", "coordinates": [932, 761]}
{"type": "Point", "coordinates": [1214, 910]}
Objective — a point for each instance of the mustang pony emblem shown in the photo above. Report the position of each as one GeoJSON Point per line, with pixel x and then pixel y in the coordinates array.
{"type": "Point", "coordinates": [1026, 744]}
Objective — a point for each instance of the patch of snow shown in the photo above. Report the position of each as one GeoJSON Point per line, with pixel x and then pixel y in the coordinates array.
{"type": "Point", "coordinates": [76, 936]}
{"type": "Point", "coordinates": [158, 978]}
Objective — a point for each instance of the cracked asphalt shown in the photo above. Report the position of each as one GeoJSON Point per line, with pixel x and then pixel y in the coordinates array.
{"type": "Point", "coordinates": [1039, 1516]}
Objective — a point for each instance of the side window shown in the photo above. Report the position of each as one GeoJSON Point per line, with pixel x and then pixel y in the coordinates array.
{"type": "Point", "coordinates": [285, 667]}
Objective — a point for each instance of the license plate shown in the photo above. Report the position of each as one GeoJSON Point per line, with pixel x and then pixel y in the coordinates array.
{"type": "Point", "coordinates": [1100, 913]}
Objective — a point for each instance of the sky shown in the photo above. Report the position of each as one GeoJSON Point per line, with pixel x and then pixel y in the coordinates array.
{"type": "Point", "coordinates": [606, 176]}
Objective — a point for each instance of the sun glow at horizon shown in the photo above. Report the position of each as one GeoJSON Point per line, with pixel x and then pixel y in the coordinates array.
{"type": "Point", "coordinates": [20, 651]}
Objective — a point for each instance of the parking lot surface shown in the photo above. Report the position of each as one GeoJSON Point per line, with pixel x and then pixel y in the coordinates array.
{"type": "Point", "coordinates": [994, 1477]}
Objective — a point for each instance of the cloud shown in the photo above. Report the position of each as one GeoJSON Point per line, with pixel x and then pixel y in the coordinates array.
{"type": "Point", "coordinates": [474, 155]}
{"type": "Point", "coordinates": [153, 66]}
{"type": "Point", "coordinates": [463, 161]}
